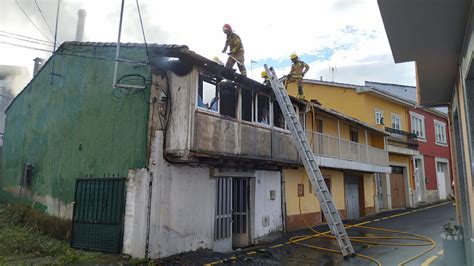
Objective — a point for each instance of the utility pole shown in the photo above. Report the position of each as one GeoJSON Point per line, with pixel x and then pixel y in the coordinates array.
{"type": "Point", "coordinates": [55, 39]}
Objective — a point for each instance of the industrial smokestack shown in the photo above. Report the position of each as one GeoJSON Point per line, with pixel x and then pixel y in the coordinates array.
{"type": "Point", "coordinates": [38, 65]}
{"type": "Point", "coordinates": [81, 20]}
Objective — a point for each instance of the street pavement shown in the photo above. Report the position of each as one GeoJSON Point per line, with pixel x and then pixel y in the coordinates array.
{"type": "Point", "coordinates": [425, 221]}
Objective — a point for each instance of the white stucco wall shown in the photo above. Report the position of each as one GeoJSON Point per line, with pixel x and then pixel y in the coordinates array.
{"type": "Point", "coordinates": [183, 214]}
{"type": "Point", "coordinates": [265, 208]}
{"type": "Point", "coordinates": [183, 202]}
{"type": "Point", "coordinates": [182, 208]}
{"type": "Point", "coordinates": [136, 205]}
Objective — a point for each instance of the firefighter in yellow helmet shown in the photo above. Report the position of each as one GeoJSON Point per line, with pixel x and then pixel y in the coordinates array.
{"type": "Point", "coordinates": [236, 53]}
{"type": "Point", "coordinates": [298, 70]}
{"type": "Point", "coordinates": [266, 81]}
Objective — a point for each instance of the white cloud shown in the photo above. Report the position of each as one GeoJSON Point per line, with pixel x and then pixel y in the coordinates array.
{"type": "Point", "coordinates": [268, 29]}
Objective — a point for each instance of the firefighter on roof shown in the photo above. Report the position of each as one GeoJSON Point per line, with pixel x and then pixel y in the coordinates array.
{"type": "Point", "coordinates": [298, 70]}
{"type": "Point", "coordinates": [236, 53]}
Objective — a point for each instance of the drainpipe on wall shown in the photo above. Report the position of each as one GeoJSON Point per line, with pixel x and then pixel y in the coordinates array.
{"type": "Point", "coordinates": [148, 218]}
{"type": "Point", "coordinates": [283, 200]}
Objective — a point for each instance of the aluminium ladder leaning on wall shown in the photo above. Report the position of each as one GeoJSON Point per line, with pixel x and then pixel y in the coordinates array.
{"type": "Point", "coordinates": [314, 173]}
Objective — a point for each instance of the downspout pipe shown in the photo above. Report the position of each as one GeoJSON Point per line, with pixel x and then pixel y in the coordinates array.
{"type": "Point", "coordinates": [283, 200]}
{"type": "Point", "coordinates": [148, 218]}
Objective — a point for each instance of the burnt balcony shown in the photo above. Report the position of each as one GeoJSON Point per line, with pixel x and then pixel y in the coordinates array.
{"type": "Point", "coordinates": [402, 138]}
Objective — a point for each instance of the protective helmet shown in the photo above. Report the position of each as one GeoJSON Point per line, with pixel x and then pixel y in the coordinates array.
{"type": "Point", "coordinates": [293, 56]}
{"type": "Point", "coordinates": [226, 27]}
{"type": "Point", "coordinates": [264, 74]}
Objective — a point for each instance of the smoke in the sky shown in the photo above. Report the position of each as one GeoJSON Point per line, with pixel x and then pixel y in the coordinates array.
{"type": "Point", "coordinates": [100, 25]}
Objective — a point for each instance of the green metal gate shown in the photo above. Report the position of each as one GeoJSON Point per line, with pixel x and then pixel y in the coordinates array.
{"type": "Point", "coordinates": [99, 214]}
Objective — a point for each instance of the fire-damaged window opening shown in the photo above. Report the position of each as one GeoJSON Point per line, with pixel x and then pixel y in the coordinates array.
{"type": "Point", "coordinates": [247, 105]}
{"type": "Point", "coordinates": [228, 99]}
{"type": "Point", "coordinates": [263, 109]}
{"type": "Point", "coordinates": [278, 118]}
{"type": "Point", "coordinates": [208, 93]}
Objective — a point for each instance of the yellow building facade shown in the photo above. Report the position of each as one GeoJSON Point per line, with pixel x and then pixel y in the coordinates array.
{"type": "Point", "coordinates": [385, 112]}
{"type": "Point", "coordinates": [350, 153]}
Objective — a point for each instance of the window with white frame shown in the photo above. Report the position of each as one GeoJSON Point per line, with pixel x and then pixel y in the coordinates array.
{"type": "Point", "coordinates": [396, 122]}
{"type": "Point", "coordinates": [208, 95]}
{"type": "Point", "coordinates": [440, 131]}
{"type": "Point", "coordinates": [379, 118]}
{"type": "Point", "coordinates": [263, 109]}
{"type": "Point", "coordinates": [418, 125]}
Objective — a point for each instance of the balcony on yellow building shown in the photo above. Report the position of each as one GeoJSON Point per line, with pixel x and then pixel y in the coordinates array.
{"type": "Point", "coordinates": [334, 147]}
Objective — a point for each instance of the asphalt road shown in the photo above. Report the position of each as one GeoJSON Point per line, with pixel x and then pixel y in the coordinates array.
{"type": "Point", "coordinates": [425, 221]}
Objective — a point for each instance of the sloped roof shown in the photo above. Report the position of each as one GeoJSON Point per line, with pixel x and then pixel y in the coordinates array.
{"type": "Point", "coordinates": [364, 89]}
{"type": "Point", "coordinates": [402, 91]}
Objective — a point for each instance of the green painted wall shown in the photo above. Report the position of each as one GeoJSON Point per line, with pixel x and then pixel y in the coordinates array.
{"type": "Point", "coordinates": [79, 126]}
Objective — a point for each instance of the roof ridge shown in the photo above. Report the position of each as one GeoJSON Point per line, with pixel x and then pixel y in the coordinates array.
{"type": "Point", "coordinates": [386, 83]}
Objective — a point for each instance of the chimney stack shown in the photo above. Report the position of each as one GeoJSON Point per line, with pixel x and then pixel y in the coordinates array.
{"type": "Point", "coordinates": [38, 65]}
{"type": "Point", "coordinates": [81, 20]}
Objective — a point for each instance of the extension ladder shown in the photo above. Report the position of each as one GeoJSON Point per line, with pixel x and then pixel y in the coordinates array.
{"type": "Point", "coordinates": [314, 173]}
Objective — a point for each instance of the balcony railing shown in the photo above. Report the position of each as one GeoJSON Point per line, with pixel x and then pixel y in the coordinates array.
{"type": "Point", "coordinates": [403, 137]}
{"type": "Point", "coordinates": [329, 146]}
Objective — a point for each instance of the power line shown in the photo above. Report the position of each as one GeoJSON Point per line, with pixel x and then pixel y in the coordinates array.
{"type": "Point", "coordinates": [28, 17]}
{"type": "Point", "coordinates": [24, 36]}
{"type": "Point", "coordinates": [25, 39]}
{"type": "Point", "coordinates": [24, 46]}
{"type": "Point", "coordinates": [41, 12]}
{"type": "Point", "coordinates": [77, 55]}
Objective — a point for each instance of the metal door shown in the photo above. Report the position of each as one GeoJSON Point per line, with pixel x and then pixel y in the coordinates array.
{"type": "Point", "coordinates": [380, 190]}
{"type": "Point", "coordinates": [351, 184]}
{"type": "Point", "coordinates": [98, 214]}
{"type": "Point", "coordinates": [240, 212]}
{"type": "Point", "coordinates": [223, 223]}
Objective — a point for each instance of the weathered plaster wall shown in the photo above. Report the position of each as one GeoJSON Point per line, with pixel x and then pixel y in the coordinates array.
{"type": "Point", "coordinates": [136, 213]}
{"type": "Point", "coordinates": [183, 92]}
{"type": "Point", "coordinates": [265, 207]}
{"type": "Point", "coordinates": [78, 126]}
{"type": "Point", "coordinates": [182, 208]}
{"type": "Point", "coordinates": [216, 135]}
